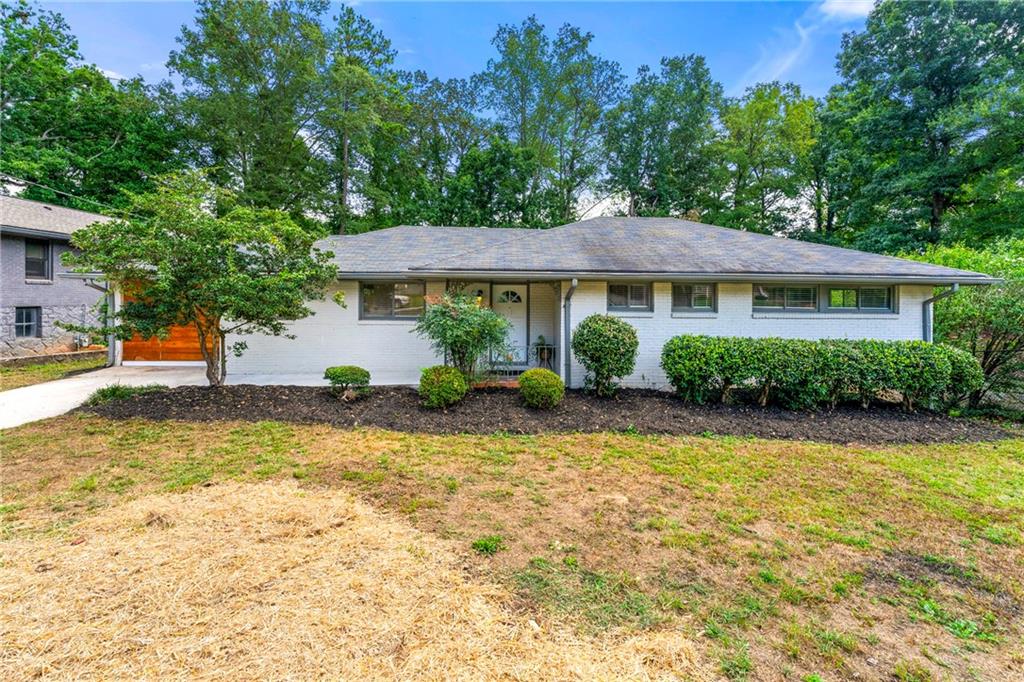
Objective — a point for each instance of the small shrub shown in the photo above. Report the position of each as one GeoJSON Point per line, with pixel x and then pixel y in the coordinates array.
{"type": "Point", "coordinates": [489, 545]}
{"type": "Point", "coordinates": [606, 346]}
{"type": "Point", "coordinates": [348, 380]}
{"type": "Point", "coordinates": [441, 386]}
{"type": "Point", "coordinates": [541, 388]}
{"type": "Point", "coordinates": [113, 392]}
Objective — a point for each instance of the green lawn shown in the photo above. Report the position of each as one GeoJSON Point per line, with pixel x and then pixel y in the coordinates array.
{"type": "Point", "coordinates": [778, 559]}
{"type": "Point", "coordinates": [27, 375]}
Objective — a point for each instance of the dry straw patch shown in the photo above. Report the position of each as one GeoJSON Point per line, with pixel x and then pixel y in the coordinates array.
{"type": "Point", "coordinates": [267, 581]}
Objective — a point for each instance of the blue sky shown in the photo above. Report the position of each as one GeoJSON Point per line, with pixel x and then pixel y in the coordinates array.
{"type": "Point", "coordinates": [744, 42]}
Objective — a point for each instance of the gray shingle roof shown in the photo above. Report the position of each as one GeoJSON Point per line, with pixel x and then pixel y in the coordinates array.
{"type": "Point", "coordinates": [36, 216]}
{"type": "Point", "coordinates": [620, 247]}
{"type": "Point", "coordinates": [398, 249]}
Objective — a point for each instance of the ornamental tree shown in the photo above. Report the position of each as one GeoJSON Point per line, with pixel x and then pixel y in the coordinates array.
{"type": "Point", "coordinates": [462, 331]}
{"type": "Point", "coordinates": [178, 262]}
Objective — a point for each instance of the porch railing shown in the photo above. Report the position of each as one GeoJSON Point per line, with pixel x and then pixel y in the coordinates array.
{"type": "Point", "coordinates": [518, 358]}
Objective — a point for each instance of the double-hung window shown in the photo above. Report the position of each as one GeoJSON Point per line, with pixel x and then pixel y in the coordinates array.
{"type": "Point", "coordinates": [693, 298]}
{"type": "Point", "coordinates": [37, 259]}
{"type": "Point", "coordinates": [27, 323]}
{"type": "Point", "coordinates": [630, 298]}
{"type": "Point", "coordinates": [869, 299]}
{"type": "Point", "coordinates": [785, 297]}
{"type": "Point", "coordinates": [391, 300]}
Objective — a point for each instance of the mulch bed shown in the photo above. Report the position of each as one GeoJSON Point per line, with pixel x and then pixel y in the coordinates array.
{"type": "Point", "coordinates": [486, 411]}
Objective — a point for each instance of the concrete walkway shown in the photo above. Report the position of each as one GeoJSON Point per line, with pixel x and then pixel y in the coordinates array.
{"type": "Point", "coordinates": [41, 401]}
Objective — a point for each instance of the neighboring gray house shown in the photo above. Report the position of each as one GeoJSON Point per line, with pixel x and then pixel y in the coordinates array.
{"type": "Point", "coordinates": [33, 298]}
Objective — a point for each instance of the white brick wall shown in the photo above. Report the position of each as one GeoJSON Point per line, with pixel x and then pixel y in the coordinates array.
{"type": "Point", "coordinates": [735, 317]}
{"type": "Point", "coordinates": [393, 355]}
{"type": "Point", "coordinates": [336, 336]}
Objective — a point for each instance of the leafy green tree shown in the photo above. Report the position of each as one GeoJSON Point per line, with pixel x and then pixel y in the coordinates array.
{"type": "Point", "coordinates": [64, 125]}
{"type": "Point", "coordinates": [768, 135]}
{"type": "Point", "coordinates": [551, 97]}
{"type": "Point", "coordinates": [987, 321]}
{"type": "Point", "coordinates": [360, 97]}
{"type": "Point", "coordinates": [935, 109]}
{"type": "Point", "coordinates": [491, 188]}
{"type": "Point", "coordinates": [419, 149]}
{"type": "Point", "coordinates": [248, 271]}
{"type": "Point", "coordinates": [252, 85]}
{"type": "Point", "coordinates": [660, 140]}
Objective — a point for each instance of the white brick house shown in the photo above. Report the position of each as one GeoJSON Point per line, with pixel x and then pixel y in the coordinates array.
{"type": "Point", "coordinates": [664, 276]}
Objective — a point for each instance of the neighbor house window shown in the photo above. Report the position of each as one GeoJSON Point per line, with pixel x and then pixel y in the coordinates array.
{"type": "Point", "coordinates": [27, 322]}
{"type": "Point", "coordinates": [693, 297]}
{"type": "Point", "coordinates": [629, 297]}
{"type": "Point", "coordinates": [860, 298]}
{"type": "Point", "coordinates": [37, 259]}
{"type": "Point", "coordinates": [386, 300]}
{"type": "Point", "coordinates": [776, 297]}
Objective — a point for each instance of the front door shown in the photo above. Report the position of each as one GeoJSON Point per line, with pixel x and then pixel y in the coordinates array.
{"type": "Point", "coordinates": [510, 303]}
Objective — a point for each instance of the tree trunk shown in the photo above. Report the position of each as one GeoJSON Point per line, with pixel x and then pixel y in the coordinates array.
{"type": "Point", "coordinates": [938, 210]}
{"type": "Point", "coordinates": [212, 347]}
{"type": "Point", "coordinates": [344, 183]}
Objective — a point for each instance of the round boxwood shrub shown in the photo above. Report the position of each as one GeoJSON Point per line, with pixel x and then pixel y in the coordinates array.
{"type": "Point", "coordinates": [541, 388]}
{"type": "Point", "coordinates": [346, 378]}
{"type": "Point", "coordinates": [441, 386]}
{"type": "Point", "coordinates": [606, 346]}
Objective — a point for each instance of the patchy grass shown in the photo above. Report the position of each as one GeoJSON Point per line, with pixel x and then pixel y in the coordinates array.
{"type": "Point", "coordinates": [488, 545]}
{"type": "Point", "coordinates": [28, 375]}
{"type": "Point", "coordinates": [803, 560]}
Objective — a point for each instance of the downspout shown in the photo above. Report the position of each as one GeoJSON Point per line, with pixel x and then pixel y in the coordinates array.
{"type": "Point", "coordinates": [926, 310]}
{"type": "Point", "coordinates": [567, 352]}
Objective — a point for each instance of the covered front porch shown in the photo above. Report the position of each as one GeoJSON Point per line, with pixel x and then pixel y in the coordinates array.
{"type": "Point", "coordinates": [533, 309]}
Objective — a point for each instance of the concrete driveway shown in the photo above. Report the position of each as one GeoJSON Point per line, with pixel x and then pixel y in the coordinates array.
{"type": "Point", "coordinates": [41, 401]}
{"type": "Point", "coordinates": [29, 403]}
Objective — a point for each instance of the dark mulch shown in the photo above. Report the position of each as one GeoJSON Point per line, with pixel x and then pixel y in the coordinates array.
{"type": "Point", "coordinates": [486, 411]}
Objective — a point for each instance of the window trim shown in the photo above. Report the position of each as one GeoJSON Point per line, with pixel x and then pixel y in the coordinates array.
{"type": "Point", "coordinates": [713, 308]}
{"type": "Point", "coordinates": [822, 292]}
{"type": "Point", "coordinates": [649, 308]}
{"type": "Point", "coordinates": [47, 276]}
{"type": "Point", "coordinates": [38, 323]}
{"type": "Point", "coordinates": [392, 282]}
{"type": "Point", "coordinates": [890, 310]}
{"type": "Point", "coordinates": [785, 286]}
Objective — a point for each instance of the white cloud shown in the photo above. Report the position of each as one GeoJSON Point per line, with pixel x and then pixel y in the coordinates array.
{"type": "Point", "coordinates": [793, 45]}
{"type": "Point", "coordinates": [846, 9]}
{"type": "Point", "coordinates": [151, 66]}
{"type": "Point", "coordinates": [111, 75]}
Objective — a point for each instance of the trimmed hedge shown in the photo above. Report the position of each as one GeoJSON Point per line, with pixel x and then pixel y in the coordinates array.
{"type": "Point", "coordinates": [606, 346]}
{"type": "Point", "coordinates": [348, 378]}
{"type": "Point", "coordinates": [541, 388]}
{"type": "Point", "coordinates": [441, 386]}
{"type": "Point", "coordinates": [803, 375]}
